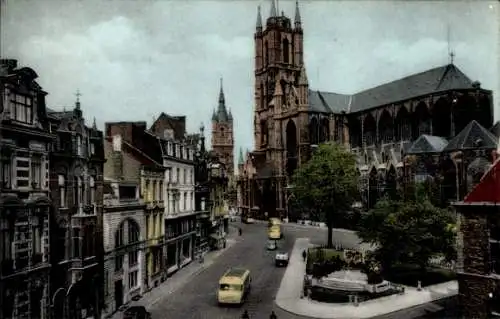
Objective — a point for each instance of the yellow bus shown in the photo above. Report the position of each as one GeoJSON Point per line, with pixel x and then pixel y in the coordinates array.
{"type": "Point", "coordinates": [234, 286]}
{"type": "Point", "coordinates": [274, 229]}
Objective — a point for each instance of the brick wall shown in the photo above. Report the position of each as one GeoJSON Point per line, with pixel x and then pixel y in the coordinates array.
{"type": "Point", "coordinates": [121, 165]}
{"type": "Point", "coordinates": [475, 279]}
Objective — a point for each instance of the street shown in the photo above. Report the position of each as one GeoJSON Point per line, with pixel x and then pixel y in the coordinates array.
{"type": "Point", "coordinates": [196, 298]}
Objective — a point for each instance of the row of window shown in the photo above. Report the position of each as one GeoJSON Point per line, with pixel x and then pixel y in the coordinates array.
{"type": "Point", "coordinates": [181, 176]}
{"type": "Point", "coordinates": [24, 171]}
{"type": "Point", "coordinates": [21, 108]}
{"type": "Point", "coordinates": [179, 151]}
{"type": "Point", "coordinates": [83, 191]}
{"type": "Point", "coordinates": [180, 202]}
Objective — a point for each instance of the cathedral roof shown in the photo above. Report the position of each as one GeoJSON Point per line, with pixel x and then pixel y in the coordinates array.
{"type": "Point", "coordinates": [326, 102]}
{"type": "Point", "coordinates": [472, 137]}
{"type": "Point", "coordinates": [427, 144]}
{"type": "Point", "coordinates": [440, 79]}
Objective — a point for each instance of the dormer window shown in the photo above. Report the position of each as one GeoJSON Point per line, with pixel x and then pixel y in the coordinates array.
{"type": "Point", "coordinates": [22, 108]}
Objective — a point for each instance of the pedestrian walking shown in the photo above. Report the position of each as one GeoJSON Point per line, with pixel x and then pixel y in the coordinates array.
{"type": "Point", "coordinates": [239, 231]}
{"type": "Point", "coordinates": [273, 315]}
{"type": "Point", "coordinates": [304, 255]}
{"type": "Point", "coordinates": [245, 315]}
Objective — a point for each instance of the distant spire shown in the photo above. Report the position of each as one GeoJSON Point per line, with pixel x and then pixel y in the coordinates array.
{"type": "Point", "coordinates": [298, 20]}
{"type": "Point", "coordinates": [451, 54]}
{"type": "Point", "coordinates": [230, 115]}
{"type": "Point", "coordinates": [78, 94]}
{"type": "Point", "coordinates": [258, 25]}
{"type": "Point", "coordinates": [202, 138]}
{"type": "Point", "coordinates": [94, 125]}
{"type": "Point", "coordinates": [273, 9]}
{"type": "Point", "coordinates": [240, 160]}
{"type": "Point", "coordinates": [221, 110]}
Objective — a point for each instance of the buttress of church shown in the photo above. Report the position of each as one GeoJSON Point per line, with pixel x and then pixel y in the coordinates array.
{"type": "Point", "coordinates": [223, 136]}
{"type": "Point", "coordinates": [434, 124]}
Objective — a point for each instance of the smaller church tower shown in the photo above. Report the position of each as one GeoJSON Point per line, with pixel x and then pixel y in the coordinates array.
{"type": "Point", "coordinates": [222, 134]}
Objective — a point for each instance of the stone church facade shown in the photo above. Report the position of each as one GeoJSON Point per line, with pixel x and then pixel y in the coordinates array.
{"type": "Point", "coordinates": [416, 126]}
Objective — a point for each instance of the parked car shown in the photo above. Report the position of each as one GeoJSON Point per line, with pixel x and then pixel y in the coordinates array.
{"type": "Point", "coordinates": [271, 245]}
{"type": "Point", "coordinates": [136, 312]}
{"type": "Point", "coordinates": [281, 259]}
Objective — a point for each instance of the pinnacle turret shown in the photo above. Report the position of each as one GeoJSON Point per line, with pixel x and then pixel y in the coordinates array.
{"type": "Point", "coordinates": [258, 25]}
{"type": "Point", "coordinates": [273, 12]}
{"type": "Point", "coordinates": [298, 20]}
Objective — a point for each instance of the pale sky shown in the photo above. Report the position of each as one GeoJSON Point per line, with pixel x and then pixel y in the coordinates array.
{"type": "Point", "coordinates": [132, 59]}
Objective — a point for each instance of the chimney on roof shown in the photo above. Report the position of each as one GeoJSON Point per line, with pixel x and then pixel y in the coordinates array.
{"type": "Point", "coordinates": [117, 158]}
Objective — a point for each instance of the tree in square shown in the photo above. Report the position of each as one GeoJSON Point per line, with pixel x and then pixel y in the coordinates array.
{"type": "Point", "coordinates": [327, 184]}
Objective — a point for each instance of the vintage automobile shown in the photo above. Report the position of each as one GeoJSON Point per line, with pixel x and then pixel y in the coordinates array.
{"type": "Point", "coordinates": [271, 245]}
{"type": "Point", "coordinates": [281, 259]}
{"type": "Point", "coordinates": [136, 312]}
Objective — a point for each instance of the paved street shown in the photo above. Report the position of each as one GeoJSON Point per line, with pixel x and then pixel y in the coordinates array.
{"type": "Point", "coordinates": [196, 296]}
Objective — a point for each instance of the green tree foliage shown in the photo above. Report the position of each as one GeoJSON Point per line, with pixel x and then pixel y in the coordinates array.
{"type": "Point", "coordinates": [408, 231]}
{"type": "Point", "coordinates": [327, 184]}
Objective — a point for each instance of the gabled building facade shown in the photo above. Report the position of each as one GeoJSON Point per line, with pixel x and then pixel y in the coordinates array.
{"type": "Point", "coordinates": [129, 229]}
{"type": "Point", "coordinates": [479, 248]}
{"type": "Point", "coordinates": [377, 124]}
{"type": "Point", "coordinates": [76, 184]}
{"type": "Point", "coordinates": [25, 207]}
{"type": "Point", "coordinates": [170, 196]}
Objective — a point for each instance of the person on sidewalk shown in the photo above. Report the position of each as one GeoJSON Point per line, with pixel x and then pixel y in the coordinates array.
{"type": "Point", "coordinates": [304, 255]}
{"type": "Point", "coordinates": [239, 231]}
{"type": "Point", "coordinates": [245, 315]}
{"type": "Point", "coordinates": [273, 315]}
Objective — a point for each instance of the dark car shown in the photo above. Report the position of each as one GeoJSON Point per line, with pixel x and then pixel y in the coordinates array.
{"type": "Point", "coordinates": [136, 312]}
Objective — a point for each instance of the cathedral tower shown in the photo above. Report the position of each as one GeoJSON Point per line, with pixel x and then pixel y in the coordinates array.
{"type": "Point", "coordinates": [281, 102]}
{"type": "Point", "coordinates": [222, 134]}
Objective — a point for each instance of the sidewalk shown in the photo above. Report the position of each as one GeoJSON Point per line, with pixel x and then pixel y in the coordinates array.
{"type": "Point", "coordinates": [289, 298]}
{"type": "Point", "coordinates": [178, 279]}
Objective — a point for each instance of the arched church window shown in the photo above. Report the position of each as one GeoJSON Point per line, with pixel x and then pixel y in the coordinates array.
{"type": "Point", "coordinates": [286, 51]}
{"type": "Point", "coordinates": [266, 53]}
{"type": "Point", "coordinates": [262, 97]}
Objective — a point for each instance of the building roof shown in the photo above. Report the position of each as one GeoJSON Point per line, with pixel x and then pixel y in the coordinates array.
{"type": "Point", "coordinates": [427, 144]}
{"type": "Point", "coordinates": [327, 102]}
{"type": "Point", "coordinates": [487, 191]}
{"type": "Point", "coordinates": [472, 137]}
{"type": "Point", "coordinates": [440, 79]}
{"type": "Point", "coordinates": [495, 129]}
{"type": "Point", "coordinates": [222, 114]}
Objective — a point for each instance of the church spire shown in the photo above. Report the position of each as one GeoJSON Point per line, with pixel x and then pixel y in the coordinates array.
{"type": "Point", "coordinates": [258, 25]}
{"type": "Point", "coordinates": [77, 104]}
{"type": "Point", "coordinates": [240, 160]}
{"type": "Point", "coordinates": [273, 12]}
{"type": "Point", "coordinates": [222, 115]}
{"type": "Point", "coordinates": [298, 20]}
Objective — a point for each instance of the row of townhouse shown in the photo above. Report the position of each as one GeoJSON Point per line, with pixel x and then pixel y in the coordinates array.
{"type": "Point", "coordinates": [154, 222]}
{"type": "Point", "coordinates": [90, 221]}
{"type": "Point", "coordinates": [51, 179]}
